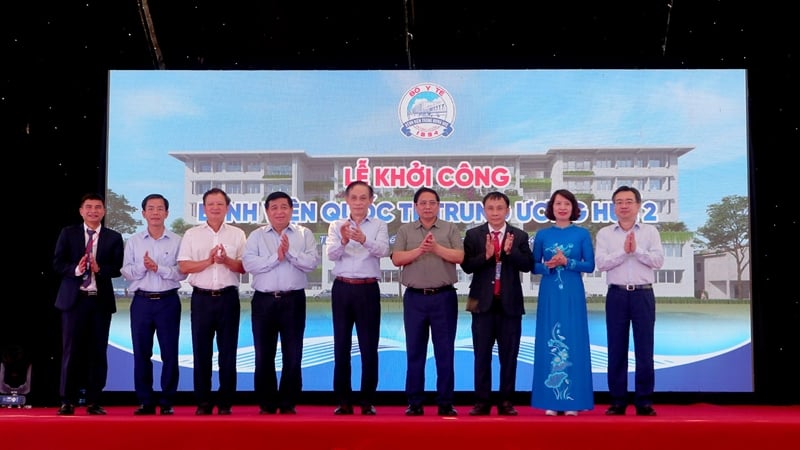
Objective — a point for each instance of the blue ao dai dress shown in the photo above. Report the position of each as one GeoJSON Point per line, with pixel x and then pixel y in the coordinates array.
{"type": "Point", "coordinates": [562, 368]}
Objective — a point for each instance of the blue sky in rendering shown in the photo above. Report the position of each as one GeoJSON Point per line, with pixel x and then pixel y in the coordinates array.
{"type": "Point", "coordinates": [355, 113]}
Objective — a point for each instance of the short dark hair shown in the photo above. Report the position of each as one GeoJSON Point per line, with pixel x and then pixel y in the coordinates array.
{"type": "Point", "coordinates": [576, 208]}
{"type": "Point", "coordinates": [275, 196]}
{"type": "Point", "coordinates": [93, 196]}
{"type": "Point", "coordinates": [155, 197]}
{"type": "Point", "coordinates": [628, 189]}
{"type": "Point", "coordinates": [422, 190]}
{"type": "Point", "coordinates": [217, 191]}
{"type": "Point", "coordinates": [359, 183]}
{"type": "Point", "coordinates": [494, 195]}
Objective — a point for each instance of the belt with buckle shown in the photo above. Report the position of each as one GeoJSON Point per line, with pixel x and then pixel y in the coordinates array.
{"type": "Point", "coordinates": [631, 287]}
{"type": "Point", "coordinates": [155, 295]}
{"type": "Point", "coordinates": [215, 292]}
{"type": "Point", "coordinates": [357, 280]}
{"type": "Point", "coordinates": [279, 294]}
{"type": "Point", "coordinates": [431, 291]}
{"type": "Point", "coordinates": [88, 293]}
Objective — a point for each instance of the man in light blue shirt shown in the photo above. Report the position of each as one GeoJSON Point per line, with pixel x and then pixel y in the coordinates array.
{"type": "Point", "coordinates": [279, 257]}
{"type": "Point", "coordinates": [356, 245]}
{"type": "Point", "coordinates": [151, 268]}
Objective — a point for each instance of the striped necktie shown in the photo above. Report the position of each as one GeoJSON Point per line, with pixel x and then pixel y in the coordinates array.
{"type": "Point", "coordinates": [496, 241]}
{"type": "Point", "coordinates": [87, 275]}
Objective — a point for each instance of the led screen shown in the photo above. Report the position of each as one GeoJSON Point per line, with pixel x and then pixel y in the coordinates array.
{"type": "Point", "coordinates": [679, 136]}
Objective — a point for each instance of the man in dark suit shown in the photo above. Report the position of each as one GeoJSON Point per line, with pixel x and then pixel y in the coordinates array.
{"type": "Point", "coordinates": [87, 257]}
{"type": "Point", "coordinates": [495, 253]}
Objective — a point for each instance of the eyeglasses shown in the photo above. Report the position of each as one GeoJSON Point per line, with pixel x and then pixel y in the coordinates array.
{"type": "Point", "coordinates": [425, 203]}
{"type": "Point", "coordinates": [625, 202]}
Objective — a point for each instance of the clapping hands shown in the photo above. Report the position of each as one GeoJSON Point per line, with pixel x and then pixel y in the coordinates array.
{"type": "Point", "coordinates": [557, 260]}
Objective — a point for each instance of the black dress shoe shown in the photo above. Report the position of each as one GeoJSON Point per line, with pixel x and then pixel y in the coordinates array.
{"type": "Point", "coordinates": [506, 409]}
{"type": "Point", "coordinates": [144, 410]}
{"type": "Point", "coordinates": [368, 410]}
{"type": "Point", "coordinates": [267, 411]}
{"type": "Point", "coordinates": [645, 411]}
{"type": "Point", "coordinates": [66, 409]}
{"type": "Point", "coordinates": [224, 410]}
{"type": "Point", "coordinates": [288, 410]}
{"type": "Point", "coordinates": [480, 409]}
{"type": "Point", "coordinates": [447, 411]}
{"type": "Point", "coordinates": [204, 410]}
{"type": "Point", "coordinates": [95, 410]}
{"type": "Point", "coordinates": [343, 410]}
{"type": "Point", "coordinates": [167, 410]}
{"type": "Point", "coordinates": [615, 410]}
{"type": "Point", "coordinates": [414, 410]}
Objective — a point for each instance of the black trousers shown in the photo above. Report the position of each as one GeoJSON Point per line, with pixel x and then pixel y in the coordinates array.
{"type": "Point", "coordinates": [215, 316]}
{"type": "Point", "coordinates": [488, 328]}
{"type": "Point", "coordinates": [356, 305]}
{"type": "Point", "coordinates": [161, 318]}
{"type": "Point", "coordinates": [84, 361]}
{"type": "Point", "coordinates": [274, 316]}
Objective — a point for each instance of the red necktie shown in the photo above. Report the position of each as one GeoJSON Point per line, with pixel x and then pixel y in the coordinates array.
{"type": "Point", "coordinates": [496, 241]}
{"type": "Point", "coordinates": [87, 275]}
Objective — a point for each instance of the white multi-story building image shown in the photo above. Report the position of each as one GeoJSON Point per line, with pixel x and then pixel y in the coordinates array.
{"type": "Point", "coordinates": [591, 173]}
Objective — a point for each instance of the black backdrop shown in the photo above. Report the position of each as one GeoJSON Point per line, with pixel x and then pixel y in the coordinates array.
{"type": "Point", "coordinates": [56, 55]}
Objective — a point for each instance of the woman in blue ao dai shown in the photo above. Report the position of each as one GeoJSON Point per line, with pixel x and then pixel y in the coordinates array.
{"type": "Point", "coordinates": [562, 368]}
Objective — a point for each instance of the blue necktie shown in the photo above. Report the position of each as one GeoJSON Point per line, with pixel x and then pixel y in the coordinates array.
{"type": "Point", "coordinates": [87, 275]}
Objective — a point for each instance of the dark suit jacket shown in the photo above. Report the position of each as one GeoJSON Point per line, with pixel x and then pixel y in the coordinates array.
{"type": "Point", "coordinates": [482, 286]}
{"type": "Point", "coordinates": [70, 247]}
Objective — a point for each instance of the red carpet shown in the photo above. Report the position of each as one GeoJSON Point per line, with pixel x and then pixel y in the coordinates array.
{"type": "Point", "coordinates": [677, 427]}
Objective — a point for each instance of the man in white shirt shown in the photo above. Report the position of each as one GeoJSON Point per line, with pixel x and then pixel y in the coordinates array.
{"type": "Point", "coordinates": [211, 253]}
{"type": "Point", "coordinates": [630, 252]}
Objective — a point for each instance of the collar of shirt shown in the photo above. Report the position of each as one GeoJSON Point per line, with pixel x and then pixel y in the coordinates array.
{"type": "Point", "coordinates": [268, 228]}
{"type": "Point", "coordinates": [502, 231]}
{"type": "Point", "coordinates": [434, 225]}
{"type": "Point", "coordinates": [208, 227]}
{"type": "Point", "coordinates": [355, 222]}
{"type": "Point", "coordinates": [617, 226]}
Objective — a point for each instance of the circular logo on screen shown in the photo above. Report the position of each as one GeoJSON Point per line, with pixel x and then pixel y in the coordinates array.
{"type": "Point", "coordinates": [427, 112]}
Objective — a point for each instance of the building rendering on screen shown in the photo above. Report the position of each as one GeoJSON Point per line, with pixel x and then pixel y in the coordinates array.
{"type": "Point", "coordinates": [317, 183]}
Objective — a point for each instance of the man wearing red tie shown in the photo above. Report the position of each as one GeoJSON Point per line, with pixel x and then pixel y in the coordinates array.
{"type": "Point", "coordinates": [87, 256]}
{"type": "Point", "coordinates": [495, 253]}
